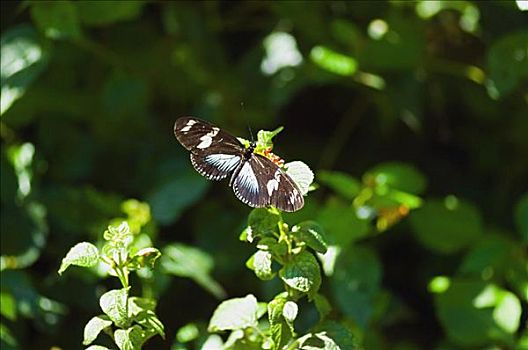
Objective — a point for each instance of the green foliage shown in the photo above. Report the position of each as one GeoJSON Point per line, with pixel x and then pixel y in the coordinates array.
{"type": "Point", "coordinates": [133, 318]}
{"type": "Point", "coordinates": [412, 115]}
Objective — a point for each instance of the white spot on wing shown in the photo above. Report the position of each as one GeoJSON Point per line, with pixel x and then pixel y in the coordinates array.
{"type": "Point", "coordinates": [293, 196]}
{"type": "Point", "coordinates": [207, 139]}
{"type": "Point", "coordinates": [272, 185]}
{"type": "Point", "coordinates": [188, 126]}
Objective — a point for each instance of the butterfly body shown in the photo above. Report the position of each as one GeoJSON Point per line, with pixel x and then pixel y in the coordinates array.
{"type": "Point", "coordinates": [255, 179]}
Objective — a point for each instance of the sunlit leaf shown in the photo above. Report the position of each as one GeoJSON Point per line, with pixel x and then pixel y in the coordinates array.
{"type": "Point", "coordinates": [146, 257]}
{"type": "Point", "coordinates": [82, 254]}
{"type": "Point", "coordinates": [8, 307]}
{"type": "Point", "coordinates": [301, 174]}
{"type": "Point", "coordinates": [233, 314]}
{"type": "Point", "coordinates": [265, 138]}
{"type": "Point", "coordinates": [261, 222]}
{"type": "Point", "coordinates": [312, 234]}
{"type": "Point", "coordinates": [333, 61]}
{"type": "Point", "coordinates": [281, 330]}
{"type": "Point", "coordinates": [187, 333]}
{"type": "Point", "coordinates": [94, 327]}
{"type": "Point", "coordinates": [129, 339]}
{"type": "Point", "coordinates": [473, 312]}
{"type": "Point", "coordinates": [114, 305]}
{"type": "Point", "coordinates": [151, 322]}
{"type": "Point", "coordinates": [302, 273]}
{"type": "Point", "coordinates": [23, 60]}
{"type": "Point", "coordinates": [261, 262]}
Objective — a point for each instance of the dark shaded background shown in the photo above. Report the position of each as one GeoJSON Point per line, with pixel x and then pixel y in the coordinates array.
{"type": "Point", "coordinates": [443, 89]}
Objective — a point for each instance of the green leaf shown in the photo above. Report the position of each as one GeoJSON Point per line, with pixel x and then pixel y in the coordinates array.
{"type": "Point", "coordinates": [8, 307]}
{"type": "Point", "coordinates": [188, 333]}
{"type": "Point", "coordinates": [312, 234]}
{"type": "Point", "coordinates": [356, 282]}
{"type": "Point", "coordinates": [82, 254]}
{"type": "Point", "coordinates": [150, 322]}
{"type": "Point", "coordinates": [129, 339]}
{"type": "Point", "coordinates": [317, 341]}
{"type": "Point", "coordinates": [333, 61]}
{"type": "Point", "coordinates": [302, 273]}
{"type": "Point", "coordinates": [6, 337]}
{"type": "Point", "coordinates": [97, 13]}
{"type": "Point", "coordinates": [341, 224]}
{"type": "Point", "coordinates": [169, 199]}
{"type": "Point", "coordinates": [94, 327]}
{"type": "Point", "coordinates": [281, 331]}
{"type": "Point", "coordinates": [56, 19]}
{"type": "Point", "coordinates": [138, 214]}
{"type": "Point", "coordinates": [322, 305]}
{"type": "Point", "coordinates": [507, 62]}
{"type": "Point", "coordinates": [262, 222]}
{"type": "Point", "coordinates": [290, 311]}
{"type": "Point", "coordinates": [97, 347]}
{"type": "Point", "coordinates": [22, 60]}
{"type": "Point", "coordinates": [146, 257]}
{"type": "Point", "coordinates": [521, 216]}
{"type": "Point", "coordinates": [474, 313]}
{"type": "Point", "coordinates": [492, 252]}
{"type": "Point", "coordinates": [342, 183]}
{"type": "Point", "coordinates": [118, 233]}
{"type": "Point", "coordinates": [233, 314]}
{"type": "Point", "coordinates": [114, 305]}
{"type": "Point", "coordinates": [340, 334]}
{"type": "Point", "coordinates": [396, 175]}
{"type": "Point", "coordinates": [401, 49]}
{"type": "Point", "coordinates": [446, 226]}
{"type": "Point", "coordinates": [507, 313]}
{"type": "Point", "coordinates": [136, 305]}
{"type": "Point", "coordinates": [260, 263]}
{"type": "Point", "coordinates": [301, 174]}
{"type": "Point", "coordinates": [264, 138]}
{"type": "Point", "coordinates": [186, 261]}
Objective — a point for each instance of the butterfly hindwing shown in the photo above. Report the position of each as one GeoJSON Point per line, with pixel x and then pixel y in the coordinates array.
{"type": "Point", "coordinates": [260, 183]}
{"type": "Point", "coordinates": [215, 166]}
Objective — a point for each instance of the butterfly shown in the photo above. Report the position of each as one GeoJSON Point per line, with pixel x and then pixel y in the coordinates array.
{"type": "Point", "coordinates": [255, 179]}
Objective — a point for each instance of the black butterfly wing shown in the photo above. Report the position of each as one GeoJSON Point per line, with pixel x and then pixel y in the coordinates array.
{"type": "Point", "coordinates": [199, 136]}
{"type": "Point", "coordinates": [215, 166]}
{"type": "Point", "coordinates": [214, 153]}
{"type": "Point", "coordinates": [260, 182]}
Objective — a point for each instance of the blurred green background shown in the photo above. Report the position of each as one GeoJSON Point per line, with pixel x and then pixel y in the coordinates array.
{"type": "Point", "coordinates": [413, 116]}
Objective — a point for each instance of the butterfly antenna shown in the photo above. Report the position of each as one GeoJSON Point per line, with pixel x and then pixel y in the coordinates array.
{"type": "Point", "coordinates": [247, 122]}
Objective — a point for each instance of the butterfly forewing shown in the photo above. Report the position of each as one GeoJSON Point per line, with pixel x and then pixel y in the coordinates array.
{"type": "Point", "coordinates": [260, 183]}
{"type": "Point", "coordinates": [199, 137]}
{"type": "Point", "coordinates": [214, 153]}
